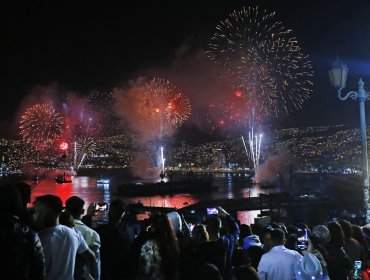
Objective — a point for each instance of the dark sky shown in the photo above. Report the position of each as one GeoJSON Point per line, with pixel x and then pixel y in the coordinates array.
{"type": "Point", "coordinates": [103, 44]}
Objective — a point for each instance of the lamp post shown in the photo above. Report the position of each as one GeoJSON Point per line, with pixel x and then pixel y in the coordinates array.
{"type": "Point", "coordinates": [338, 78]}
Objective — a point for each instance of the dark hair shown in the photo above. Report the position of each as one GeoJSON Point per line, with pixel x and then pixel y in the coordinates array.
{"type": "Point", "coordinates": [359, 236]}
{"type": "Point", "coordinates": [277, 236]}
{"type": "Point", "coordinates": [213, 223]}
{"type": "Point", "coordinates": [75, 205]}
{"type": "Point", "coordinates": [116, 209]}
{"type": "Point", "coordinates": [292, 229]}
{"type": "Point", "coordinates": [52, 201]}
{"type": "Point", "coordinates": [24, 190]}
{"type": "Point", "coordinates": [66, 218]}
{"type": "Point", "coordinates": [48, 207]}
{"type": "Point", "coordinates": [255, 253]}
{"type": "Point", "coordinates": [10, 201]}
{"type": "Point", "coordinates": [241, 258]}
{"type": "Point", "coordinates": [163, 233]}
{"type": "Point", "coordinates": [208, 271]}
{"type": "Point", "coordinates": [315, 241]}
{"type": "Point", "coordinates": [347, 228]}
{"type": "Point", "coordinates": [267, 229]}
{"type": "Point", "coordinates": [275, 225]}
{"type": "Point", "coordinates": [337, 235]}
{"type": "Point", "coordinates": [302, 226]}
{"type": "Point", "coordinates": [199, 233]}
{"type": "Point", "coordinates": [245, 230]}
{"type": "Point", "coordinates": [291, 242]}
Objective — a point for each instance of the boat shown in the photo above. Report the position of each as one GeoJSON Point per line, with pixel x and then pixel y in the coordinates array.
{"type": "Point", "coordinates": [103, 181]}
{"type": "Point", "coordinates": [162, 188]}
{"type": "Point", "coordinates": [61, 179]}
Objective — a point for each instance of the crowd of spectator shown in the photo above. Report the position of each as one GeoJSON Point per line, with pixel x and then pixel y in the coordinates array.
{"type": "Point", "coordinates": [49, 240]}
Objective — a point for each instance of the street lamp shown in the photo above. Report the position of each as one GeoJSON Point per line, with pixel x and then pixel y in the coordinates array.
{"type": "Point", "coordinates": [338, 78]}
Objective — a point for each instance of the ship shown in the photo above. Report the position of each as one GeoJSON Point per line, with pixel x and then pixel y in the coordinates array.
{"type": "Point", "coordinates": [61, 179]}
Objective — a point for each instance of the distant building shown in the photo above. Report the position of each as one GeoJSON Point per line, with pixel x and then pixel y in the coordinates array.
{"type": "Point", "coordinates": [219, 160]}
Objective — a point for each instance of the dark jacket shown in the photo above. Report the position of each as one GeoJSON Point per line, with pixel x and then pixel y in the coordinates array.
{"type": "Point", "coordinates": [23, 256]}
{"type": "Point", "coordinates": [339, 264]}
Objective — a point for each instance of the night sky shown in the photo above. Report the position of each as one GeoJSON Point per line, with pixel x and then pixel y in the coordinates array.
{"type": "Point", "coordinates": [102, 45]}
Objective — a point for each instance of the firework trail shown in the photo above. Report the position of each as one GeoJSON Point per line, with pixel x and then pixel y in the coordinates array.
{"type": "Point", "coordinates": [82, 159]}
{"type": "Point", "coordinates": [254, 143]}
{"type": "Point", "coordinates": [262, 60]}
{"type": "Point", "coordinates": [255, 148]}
{"type": "Point", "coordinates": [245, 146]}
{"type": "Point", "coordinates": [162, 159]}
{"type": "Point", "coordinates": [41, 126]}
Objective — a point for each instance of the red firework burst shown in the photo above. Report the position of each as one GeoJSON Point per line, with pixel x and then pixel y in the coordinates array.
{"type": "Point", "coordinates": [172, 106]}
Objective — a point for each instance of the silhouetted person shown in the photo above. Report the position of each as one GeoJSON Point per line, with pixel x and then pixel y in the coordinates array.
{"type": "Point", "coordinates": [339, 263]}
{"type": "Point", "coordinates": [25, 193]}
{"type": "Point", "coordinates": [208, 271]}
{"type": "Point", "coordinates": [219, 249]}
{"type": "Point", "coordinates": [114, 249]}
{"type": "Point", "coordinates": [23, 256]}
{"type": "Point", "coordinates": [351, 245]}
{"type": "Point", "coordinates": [242, 266]}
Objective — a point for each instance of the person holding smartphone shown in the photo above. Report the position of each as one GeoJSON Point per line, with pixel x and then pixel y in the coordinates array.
{"type": "Point", "coordinates": [219, 249]}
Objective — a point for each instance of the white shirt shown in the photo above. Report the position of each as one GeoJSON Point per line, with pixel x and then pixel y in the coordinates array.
{"type": "Point", "coordinates": [91, 237]}
{"type": "Point", "coordinates": [61, 245]}
{"type": "Point", "coordinates": [278, 264]}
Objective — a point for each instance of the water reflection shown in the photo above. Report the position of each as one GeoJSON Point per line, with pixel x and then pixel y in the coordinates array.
{"type": "Point", "coordinates": [229, 186]}
{"type": "Point", "coordinates": [247, 217]}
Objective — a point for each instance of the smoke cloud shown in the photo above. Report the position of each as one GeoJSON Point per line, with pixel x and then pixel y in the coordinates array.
{"type": "Point", "coordinates": [276, 168]}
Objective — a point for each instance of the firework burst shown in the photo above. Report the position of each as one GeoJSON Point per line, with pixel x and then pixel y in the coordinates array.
{"type": "Point", "coordinates": [85, 146]}
{"type": "Point", "coordinates": [171, 107]}
{"type": "Point", "coordinates": [262, 60]}
{"type": "Point", "coordinates": [41, 126]}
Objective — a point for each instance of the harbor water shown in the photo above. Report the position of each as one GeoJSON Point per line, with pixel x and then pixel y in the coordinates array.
{"type": "Point", "coordinates": [229, 186]}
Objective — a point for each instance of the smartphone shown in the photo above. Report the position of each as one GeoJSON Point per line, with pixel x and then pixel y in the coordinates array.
{"type": "Point", "coordinates": [191, 227]}
{"type": "Point", "coordinates": [101, 206]}
{"type": "Point", "coordinates": [302, 239]}
{"type": "Point", "coordinates": [212, 211]}
{"type": "Point", "coordinates": [357, 270]}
